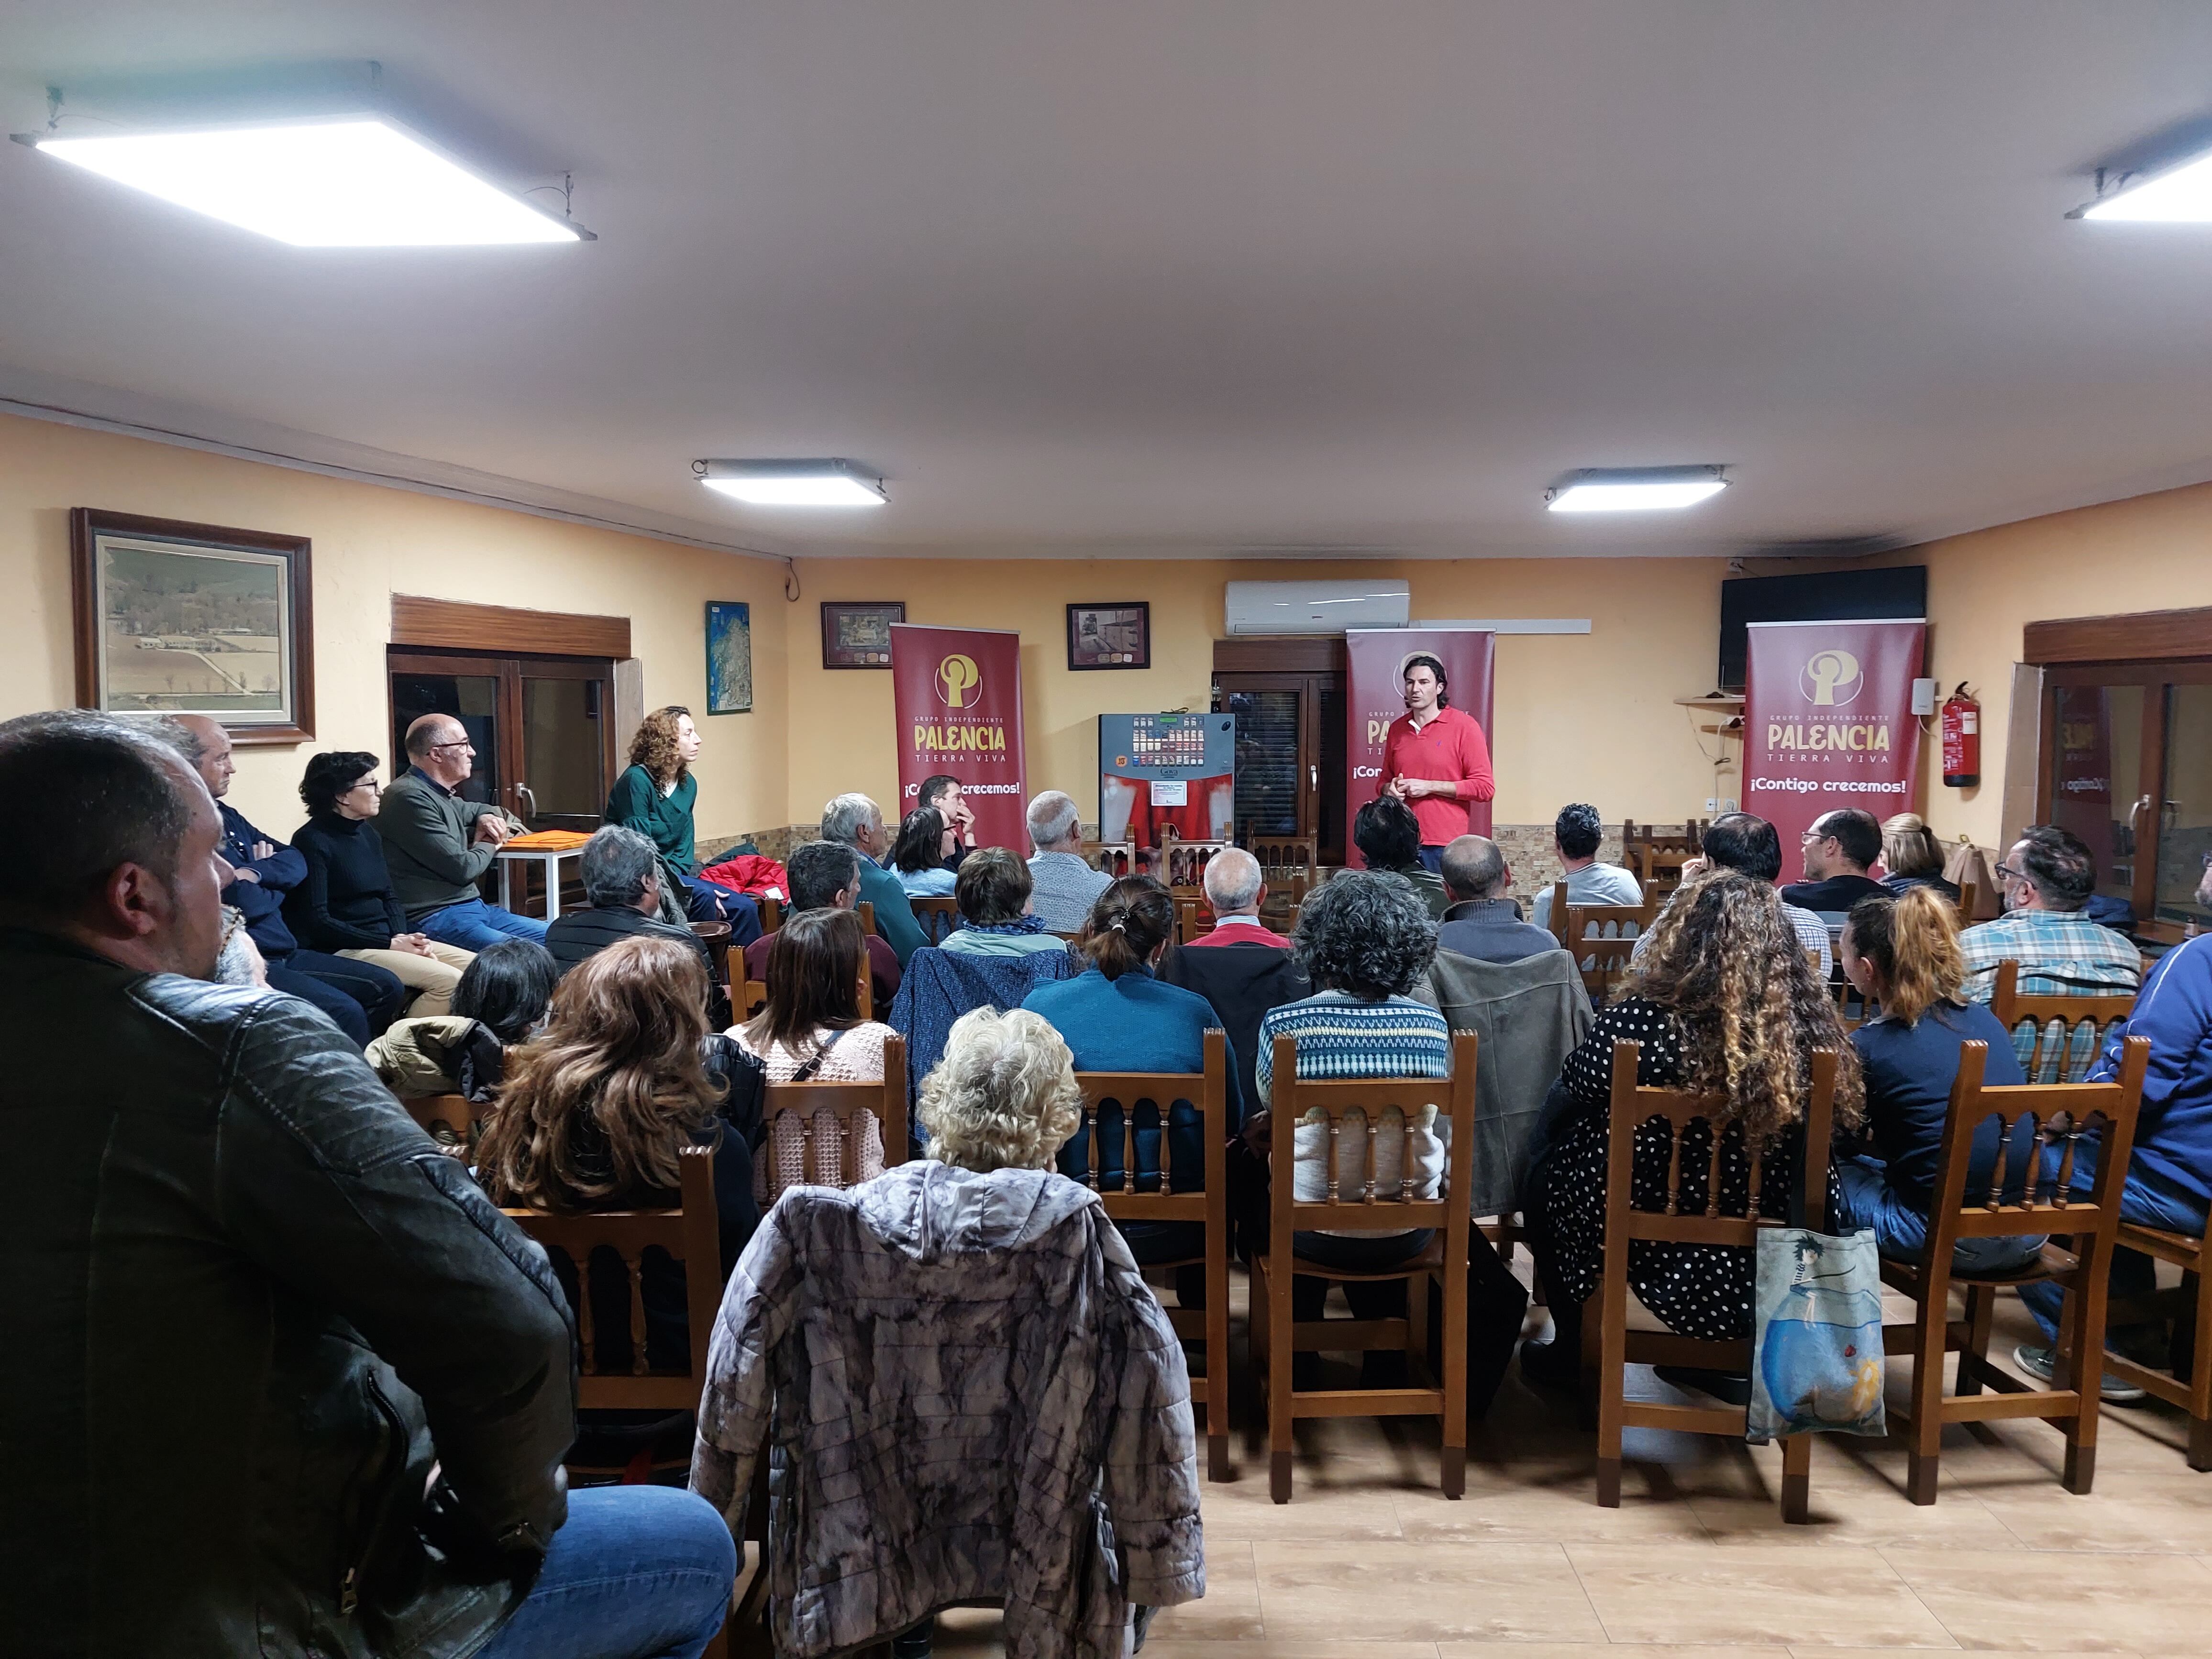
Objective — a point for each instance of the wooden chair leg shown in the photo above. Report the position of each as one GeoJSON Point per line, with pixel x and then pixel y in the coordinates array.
{"type": "Point", "coordinates": [1929, 1331]}
{"type": "Point", "coordinates": [1255, 1421]}
{"type": "Point", "coordinates": [1981, 1305]}
{"type": "Point", "coordinates": [1282, 1347]}
{"type": "Point", "coordinates": [2082, 1320]}
{"type": "Point", "coordinates": [1797, 1479]}
{"type": "Point", "coordinates": [2200, 1373]}
{"type": "Point", "coordinates": [1611, 1408]}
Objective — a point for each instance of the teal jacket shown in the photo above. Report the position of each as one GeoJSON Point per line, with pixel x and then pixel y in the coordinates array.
{"type": "Point", "coordinates": [637, 803]}
{"type": "Point", "coordinates": [895, 922]}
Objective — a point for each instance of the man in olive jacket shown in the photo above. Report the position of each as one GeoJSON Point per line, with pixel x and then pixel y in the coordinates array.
{"type": "Point", "coordinates": [437, 844]}
{"type": "Point", "coordinates": [276, 1377]}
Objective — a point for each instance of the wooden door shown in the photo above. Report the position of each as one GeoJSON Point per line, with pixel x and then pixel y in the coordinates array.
{"type": "Point", "coordinates": [542, 726]}
{"type": "Point", "coordinates": [1290, 754]}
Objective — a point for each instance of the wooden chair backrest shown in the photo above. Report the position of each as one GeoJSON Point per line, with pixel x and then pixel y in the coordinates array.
{"type": "Point", "coordinates": [454, 1120]}
{"type": "Point", "coordinates": [885, 1102]}
{"type": "Point", "coordinates": [1601, 955]}
{"type": "Point", "coordinates": [1372, 1208]}
{"type": "Point", "coordinates": [1635, 837]}
{"type": "Point", "coordinates": [2056, 1018]}
{"type": "Point", "coordinates": [771, 912]}
{"type": "Point", "coordinates": [938, 915]}
{"type": "Point", "coordinates": [1660, 868]}
{"type": "Point", "coordinates": [691, 1236]}
{"type": "Point", "coordinates": [1969, 897]}
{"type": "Point", "coordinates": [867, 908]}
{"type": "Point", "coordinates": [1206, 1091]}
{"type": "Point", "coordinates": [2032, 1116]}
{"type": "Point", "coordinates": [1633, 1106]}
{"type": "Point", "coordinates": [1193, 918]}
{"type": "Point", "coordinates": [1283, 858]}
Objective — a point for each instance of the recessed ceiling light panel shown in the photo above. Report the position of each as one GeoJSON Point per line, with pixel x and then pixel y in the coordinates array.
{"type": "Point", "coordinates": [1635, 490]}
{"type": "Point", "coordinates": [2179, 195]}
{"type": "Point", "coordinates": [794, 483]}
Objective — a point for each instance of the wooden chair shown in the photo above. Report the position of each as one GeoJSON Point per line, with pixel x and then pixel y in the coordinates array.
{"type": "Point", "coordinates": [1969, 897]}
{"type": "Point", "coordinates": [2193, 1300]}
{"type": "Point", "coordinates": [748, 995]}
{"type": "Point", "coordinates": [2029, 1118]}
{"type": "Point", "coordinates": [885, 1102]}
{"type": "Point", "coordinates": [867, 908]}
{"type": "Point", "coordinates": [1660, 869]}
{"type": "Point", "coordinates": [1609, 1347]}
{"type": "Point", "coordinates": [2062, 1049]}
{"type": "Point", "coordinates": [451, 1120]}
{"type": "Point", "coordinates": [1286, 859]}
{"type": "Point", "coordinates": [1602, 955]}
{"type": "Point", "coordinates": [1277, 1335]}
{"type": "Point", "coordinates": [1636, 839]}
{"type": "Point", "coordinates": [771, 913]}
{"type": "Point", "coordinates": [938, 916]}
{"type": "Point", "coordinates": [1193, 920]}
{"type": "Point", "coordinates": [1208, 1092]}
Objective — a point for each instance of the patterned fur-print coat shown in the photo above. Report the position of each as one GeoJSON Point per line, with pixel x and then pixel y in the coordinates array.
{"type": "Point", "coordinates": [969, 1395]}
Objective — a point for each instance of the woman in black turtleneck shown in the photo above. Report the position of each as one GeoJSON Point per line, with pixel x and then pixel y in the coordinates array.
{"type": "Point", "coordinates": [346, 906]}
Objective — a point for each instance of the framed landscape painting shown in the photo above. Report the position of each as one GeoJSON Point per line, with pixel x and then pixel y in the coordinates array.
{"type": "Point", "coordinates": [1109, 636]}
{"type": "Point", "coordinates": [178, 619]}
{"type": "Point", "coordinates": [859, 634]}
{"type": "Point", "coordinates": [729, 656]}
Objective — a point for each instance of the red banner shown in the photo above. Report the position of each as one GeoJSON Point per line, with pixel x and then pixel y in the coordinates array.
{"type": "Point", "coordinates": [1374, 695]}
{"type": "Point", "coordinates": [1828, 723]}
{"type": "Point", "coordinates": [956, 694]}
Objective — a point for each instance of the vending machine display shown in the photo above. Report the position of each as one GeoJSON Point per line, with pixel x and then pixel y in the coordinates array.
{"type": "Point", "coordinates": [1169, 776]}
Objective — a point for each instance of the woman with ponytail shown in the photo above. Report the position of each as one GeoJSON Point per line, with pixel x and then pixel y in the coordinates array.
{"type": "Point", "coordinates": [1116, 1017]}
{"type": "Point", "coordinates": [1903, 953]}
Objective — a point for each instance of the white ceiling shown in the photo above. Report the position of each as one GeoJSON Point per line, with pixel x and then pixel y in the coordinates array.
{"type": "Point", "coordinates": [1187, 276]}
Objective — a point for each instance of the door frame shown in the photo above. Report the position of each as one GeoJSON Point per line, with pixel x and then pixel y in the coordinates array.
{"type": "Point", "coordinates": [508, 669]}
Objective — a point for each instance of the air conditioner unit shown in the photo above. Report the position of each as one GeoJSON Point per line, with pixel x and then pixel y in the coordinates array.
{"type": "Point", "coordinates": [1316, 607]}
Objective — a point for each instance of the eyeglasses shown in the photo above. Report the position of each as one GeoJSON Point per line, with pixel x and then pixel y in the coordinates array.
{"type": "Point", "coordinates": [2006, 873]}
{"type": "Point", "coordinates": [369, 784]}
{"type": "Point", "coordinates": [458, 743]}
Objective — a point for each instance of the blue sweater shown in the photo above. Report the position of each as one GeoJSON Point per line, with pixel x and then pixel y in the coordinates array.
{"type": "Point", "coordinates": [261, 901]}
{"type": "Point", "coordinates": [1135, 1023]}
{"type": "Point", "coordinates": [2173, 1137]}
{"type": "Point", "coordinates": [1909, 1071]}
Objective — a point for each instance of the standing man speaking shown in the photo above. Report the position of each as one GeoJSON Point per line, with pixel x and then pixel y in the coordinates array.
{"type": "Point", "coordinates": [1435, 759]}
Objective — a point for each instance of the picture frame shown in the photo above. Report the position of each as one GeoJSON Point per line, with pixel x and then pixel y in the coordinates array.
{"type": "Point", "coordinates": [173, 618]}
{"type": "Point", "coordinates": [729, 642]}
{"type": "Point", "coordinates": [1110, 635]}
{"type": "Point", "coordinates": [857, 633]}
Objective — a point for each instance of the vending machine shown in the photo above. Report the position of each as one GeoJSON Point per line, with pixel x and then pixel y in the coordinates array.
{"type": "Point", "coordinates": [1165, 778]}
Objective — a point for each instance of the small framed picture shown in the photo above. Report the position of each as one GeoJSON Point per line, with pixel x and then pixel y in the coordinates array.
{"type": "Point", "coordinates": [1110, 635]}
{"type": "Point", "coordinates": [858, 634]}
{"type": "Point", "coordinates": [178, 619]}
{"type": "Point", "coordinates": [729, 656]}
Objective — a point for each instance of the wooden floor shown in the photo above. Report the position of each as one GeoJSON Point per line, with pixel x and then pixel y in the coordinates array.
{"type": "Point", "coordinates": [1369, 1561]}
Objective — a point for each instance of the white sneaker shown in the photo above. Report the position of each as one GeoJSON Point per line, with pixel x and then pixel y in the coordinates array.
{"type": "Point", "coordinates": [2037, 1362]}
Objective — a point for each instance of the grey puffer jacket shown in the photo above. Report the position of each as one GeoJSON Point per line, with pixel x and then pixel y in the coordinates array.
{"type": "Point", "coordinates": [969, 1396]}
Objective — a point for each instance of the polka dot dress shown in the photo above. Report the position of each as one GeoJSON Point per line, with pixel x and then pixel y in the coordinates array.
{"type": "Point", "coordinates": [1701, 1291]}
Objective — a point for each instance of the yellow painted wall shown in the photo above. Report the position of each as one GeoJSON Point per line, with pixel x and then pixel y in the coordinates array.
{"type": "Point", "coordinates": [1577, 716]}
{"type": "Point", "coordinates": [370, 543]}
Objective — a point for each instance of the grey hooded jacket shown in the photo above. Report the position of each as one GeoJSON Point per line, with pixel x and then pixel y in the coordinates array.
{"type": "Point", "coordinates": [969, 1396]}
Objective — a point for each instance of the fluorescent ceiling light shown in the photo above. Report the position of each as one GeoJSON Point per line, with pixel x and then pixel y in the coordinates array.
{"type": "Point", "coordinates": [357, 181]}
{"type": "Point", "coordinates": [2178, 196]}
{"type": "Point", "coordinates": [1648, 490]}
{"type": "Point", "coordinates": [794, 483]}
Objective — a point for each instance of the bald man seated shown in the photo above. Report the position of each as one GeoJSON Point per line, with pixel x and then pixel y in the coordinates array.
{"type": "Point", "coordinates": [1235, 893]}
{"type": "Point", "coordinates": [437, 844]}
{"type": "Point", "coordinates": [1480, 921]}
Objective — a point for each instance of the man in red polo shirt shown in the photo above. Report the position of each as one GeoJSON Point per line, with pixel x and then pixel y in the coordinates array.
{"type": "Point", "coordinates": [1436, 760]}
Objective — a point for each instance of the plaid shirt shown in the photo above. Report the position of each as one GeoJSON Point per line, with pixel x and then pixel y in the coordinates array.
{"type": "Point", "coordinates": [2060, 953]}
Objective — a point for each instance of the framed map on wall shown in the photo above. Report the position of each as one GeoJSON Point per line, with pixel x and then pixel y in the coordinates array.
{"type": "Point", "coordinates": [179, 618]}
{"type": "Point", "coordinates": [729, 656]}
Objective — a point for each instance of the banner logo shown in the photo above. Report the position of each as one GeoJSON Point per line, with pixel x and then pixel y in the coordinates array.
{"type": "Point", "coordinates": [959, 681]}
{"type": "Point", "coordinates": [1830, 678]}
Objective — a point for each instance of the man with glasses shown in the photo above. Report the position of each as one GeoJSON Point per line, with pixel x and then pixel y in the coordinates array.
{"type": "Point", "coordinates": [438, 845]}
{"type": "Point", "coordinates": [1840, 849]}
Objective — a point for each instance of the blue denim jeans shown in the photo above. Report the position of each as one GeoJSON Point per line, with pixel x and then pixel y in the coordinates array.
{"type": "Point", "coordinates": [1901, 1231]}
{"type": "Point", "coordinates": [1432, 860]}
{"type": "Point", "coordinates": [709, 900]}
{"type": "Point", "coordinates": [637, 1572]}
{"type": "Point", "coordinates": [476, 926]}
{"type": "Point", "coordinates": [2133, 1272]}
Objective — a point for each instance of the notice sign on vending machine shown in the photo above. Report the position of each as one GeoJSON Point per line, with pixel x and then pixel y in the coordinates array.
{"type": "Point", "coordinates": [1160, 772]}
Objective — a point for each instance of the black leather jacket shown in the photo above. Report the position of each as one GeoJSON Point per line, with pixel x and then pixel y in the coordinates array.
{"type": "Point", "coordinates": [245, 1305]}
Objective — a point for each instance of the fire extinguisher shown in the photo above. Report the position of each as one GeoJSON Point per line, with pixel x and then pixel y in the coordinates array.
{"type": "Point", "coordinates": [1962, 740]}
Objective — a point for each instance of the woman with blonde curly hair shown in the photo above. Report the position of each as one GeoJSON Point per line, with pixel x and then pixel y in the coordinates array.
{"type": "Point", "coordinates": [1004, 1097]}
{"type": "Point", "coordinates": [595, 1109]}
{"type": "Point", "coordinates": [1724, 999]}
{"type": "Point", "coordinates": [655, 796]}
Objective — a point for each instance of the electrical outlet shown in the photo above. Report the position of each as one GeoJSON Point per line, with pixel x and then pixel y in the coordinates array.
{"type": "Point", "coordinates": [1712, 803]}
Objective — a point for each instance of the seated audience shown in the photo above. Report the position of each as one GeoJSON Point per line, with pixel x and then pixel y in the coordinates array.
{"type": "Point", "coordinates": [1912, 857]}
{"type": "Point", "coordinates": [1235, 892]}
{"type": "Point", "coordinates": [1840, 849]}
{"type": "Point", "coordinates": [2169, 1183]}
{"type": "Point", "coordinates": [887, 1287]}
{"type": "Point", "coordinates": [856, 821]}
{"type": "Point", "coordinates": [996, 917]}
{"type": "Point", "coordinates": [501, 1001]}
{"type": "Point", "coordinates": [922, 857]}
{"type": "Point", "coordinates": [347, 905]}
{"type": "Point", "coordinates": [508, 989]}
{"type": "Point", "coordinates": [1367, 942]}
{"type": "Point", "coordinates": [1903, 954]}
{"type": "Point", "coordinates": [1482, 921]}
{"type": "Point", "coordinates": [1746, 843]}
{"type": "Point", "coordinates": [1063, 882]}
{"type": "Point", "coordinates": [360, 998]}
{"type": "Point", "coordinates": [1389, 836]}
{"type": "Point", "coordinates": [655, 796]}
{"type": "Point", "coordinates": [596, 1107]}
{"type": "Point", "coordinates": [942, 791]}
{"type": "Point", "coordinates": [1723, 1000]}
{"type": "Point", "coordinates": [826, 875]}
{"type": "Point", "coordinates": [1116, 1017]}
{"type": "Point", "coordinates": [263, 1246]}
{"type": "Point", "coordinates": [439, 844]}
{"type": "Point", "coordinates": [811, 1031]}
{"type": "Point", "coordinates": [621, 871]}
{"type": "Point", "coordinates": [1577, 834]}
